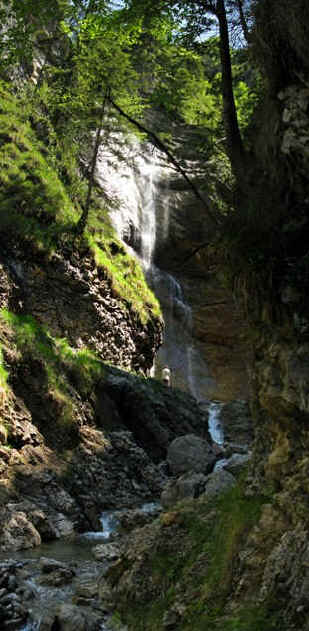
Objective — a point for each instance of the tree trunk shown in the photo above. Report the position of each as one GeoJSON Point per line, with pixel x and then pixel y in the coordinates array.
{"type": "Point", "coordinates": [80, 227]}
{"type": "Point", "coordinates": [243, 21]}
{"type": "Point", "coordinates": [160, 145]}
{"type": "Point", "coordinates": [234, 141]}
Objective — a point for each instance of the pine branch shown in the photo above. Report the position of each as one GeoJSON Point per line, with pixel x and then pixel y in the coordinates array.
{"type": "Point", "coordinates": [160, 145]}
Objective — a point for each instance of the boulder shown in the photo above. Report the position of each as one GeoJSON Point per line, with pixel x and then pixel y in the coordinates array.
{"type": "Point", "coordinates": [188, 485]}
{"type": "Point", "coordinates": [236, 463]}
{"type": "Point", "coordinates": [139, 516]}
{"type": "Point", "coordinates": [18, 532]}
{"type": "Point", "coordinates": [70, 618]}
{"type": "Point", "coordinates": [190, 453]}
{"type": "Point", "coordinates": [218, 482]}
{"type": "Point", "coordinates": [155, 414]}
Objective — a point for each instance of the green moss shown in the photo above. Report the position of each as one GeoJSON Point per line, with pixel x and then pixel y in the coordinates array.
{"type": "Point", "coordinates": [55, 352]}
{"type": "Point", "coordinates": [126, 275]}
{"type": "Point", "coordinates": [196, 569]}
{"type": "Point", "coordinates": [33, 200]}
{"type": "Point", "coordinates": [3, 372]}
{"type": "Point", "coordinates": [35, 205]}
{"type": "Point", "coordinates": [60, 365]}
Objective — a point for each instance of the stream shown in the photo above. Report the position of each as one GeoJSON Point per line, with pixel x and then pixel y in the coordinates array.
{"type": "Point", "coordinates": [62, 580]}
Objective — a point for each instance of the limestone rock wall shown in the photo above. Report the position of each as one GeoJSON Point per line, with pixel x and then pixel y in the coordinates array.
{"type": "Point", "coordinates": [220, 351]}
{"type": "Point", "coordinates": [74, 300]}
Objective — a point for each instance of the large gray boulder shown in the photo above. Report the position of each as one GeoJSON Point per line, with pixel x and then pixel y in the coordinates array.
{"type": "Point", "coordinates": [190, 453]}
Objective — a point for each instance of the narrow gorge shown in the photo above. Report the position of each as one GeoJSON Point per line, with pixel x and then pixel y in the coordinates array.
{"type": "Point", "coordinates": [154, 212]}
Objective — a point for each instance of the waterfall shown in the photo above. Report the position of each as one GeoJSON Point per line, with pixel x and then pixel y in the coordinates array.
{"type": "Point", "coordinates": [176, 351]}
{"type": "Point", "coordinates": [214, 424]}
{"type": "Point", "coordinates": [133, 186]}
{"type": "Point", "coordinates": [145, 180]}
{"type": "Point", "coordinates": [129, 182]}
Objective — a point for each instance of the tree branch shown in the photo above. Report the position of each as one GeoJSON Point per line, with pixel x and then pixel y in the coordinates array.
{"type": "Point", "coordinates": [160, 145]}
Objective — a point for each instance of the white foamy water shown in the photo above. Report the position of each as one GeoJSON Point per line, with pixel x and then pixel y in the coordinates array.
{"type": "Point", "coordinates": [129, 182]}
{"type": "Point", "coordinates": [214, 424]}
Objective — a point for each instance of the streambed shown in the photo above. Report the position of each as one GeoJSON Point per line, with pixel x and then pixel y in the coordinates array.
{"type": "Point", "coordinates": [60, 585]}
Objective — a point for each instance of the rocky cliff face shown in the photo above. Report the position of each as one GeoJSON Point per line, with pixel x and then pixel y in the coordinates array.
{"type": "Point", "coordinates": [220, 350]}
{"type": "Point", "coordinates": [74, 299]}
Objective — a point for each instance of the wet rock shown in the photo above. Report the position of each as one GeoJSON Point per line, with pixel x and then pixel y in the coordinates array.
{"type": "Point", "coordinates": [13, 611]}
{"type": "Point", "coordinates": [190, 453]}
{"type": "Point", "coordinates": [85, 589]}
{"type": "Point", "coordinates": [138, 517]}
{"type": "Point", "coordinates": [106, 596]}
{"type": "Point", "coordinates": [18, 532]}
{"type": "Point", "coordinates": [71, 618]}
{"type": "Point", "coordinates": [106, 552]}
{"type": "Point", "coordinates": [58, 577]}
{"type": "Point", "coordinates": [48, 565]}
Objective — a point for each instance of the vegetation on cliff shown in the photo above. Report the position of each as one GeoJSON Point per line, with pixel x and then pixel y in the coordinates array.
{"type": "Point", "coordinates": [184, 570]}
{"type": "Point", "coordinates": [36, 205]}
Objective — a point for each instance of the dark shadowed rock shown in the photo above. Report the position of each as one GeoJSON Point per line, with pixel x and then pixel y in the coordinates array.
{"type": "Point", "coordinates": [155, 414]}
{"type": "Point", "coordinates": [190, 453]}
{"type": "Point", "coordinates": [237, 423]}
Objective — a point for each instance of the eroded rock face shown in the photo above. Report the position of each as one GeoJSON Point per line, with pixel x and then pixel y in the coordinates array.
{"type": "Point", "coordinates": [113, 461]}
{"type": "Point", "coordinates": [74, 299]}
{"type": "Point", "coordinates": [237, 423]}
{"type": "Point", "coordinates": [219, 351]}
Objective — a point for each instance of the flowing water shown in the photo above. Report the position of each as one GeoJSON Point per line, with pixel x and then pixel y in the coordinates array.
{"type": "Point", "coordinates": [136, 187]}
{"type": "Point", "coordinates": [214, 424]}
{"type": "Point", "coordinates": [76, 554]}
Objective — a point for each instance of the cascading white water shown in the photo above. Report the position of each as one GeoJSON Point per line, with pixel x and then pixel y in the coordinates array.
{"type": "Point", "coordinates": [176, 350]}
{"type": "Point", "coordinates": [146, 185]}
{"type": "Point", "coordinates": [132, 185]}
{"type": "Point", "coordinates": [128, 184]}
{"type": "Point", "coordinates": [214, 424]}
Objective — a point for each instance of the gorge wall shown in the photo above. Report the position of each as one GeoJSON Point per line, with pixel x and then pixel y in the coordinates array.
{"type": "Point", "coordinates": [241, 561]}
